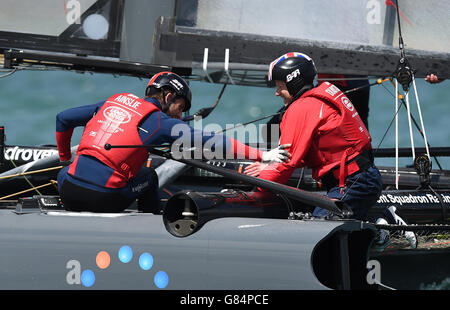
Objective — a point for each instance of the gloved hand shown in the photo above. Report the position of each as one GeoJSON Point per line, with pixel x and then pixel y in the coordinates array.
{"type": "Point", "coordinates": [278, 154]}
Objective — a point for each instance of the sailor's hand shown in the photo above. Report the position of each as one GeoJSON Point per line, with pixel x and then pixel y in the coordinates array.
{"type": "Point", "coordinates": [255, 169]}
{"type": "Point", "coordinates": [432, 79]}
{"type": "Point", "coordinates": [278, 154]}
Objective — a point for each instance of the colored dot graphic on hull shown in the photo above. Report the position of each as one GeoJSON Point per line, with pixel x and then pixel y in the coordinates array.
{"type": "Point", "coordinates": [161, 279]}
{"type": "Point", "coordinates": [87, 278]}
{"type": "Point", "coordinates": [103, 260]}
{"type": "Point", "coordinates": [146, 261]}
{"type": "Point", "coordinates": [125, 254]}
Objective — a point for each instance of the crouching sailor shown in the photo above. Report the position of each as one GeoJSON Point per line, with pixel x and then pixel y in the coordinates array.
{"type": "Point", "coordinates": [326, 134]}
{"type": "Point", "coordinates": [100, 180]}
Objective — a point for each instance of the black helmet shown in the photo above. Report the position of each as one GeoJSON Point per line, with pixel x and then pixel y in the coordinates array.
{"type": "Point", "coordinates": [174, 82]}
{"type": "Point", "coordinates": [295, 69]}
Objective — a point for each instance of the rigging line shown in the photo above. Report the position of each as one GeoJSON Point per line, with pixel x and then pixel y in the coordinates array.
{"type": "Point", "coordinates": [33, 67]}
{"type": "Point", "coordinates": [244, 124]}
{"type": "Point", "coordinates": [204, 112]}
{"type": "Point", "coordinates": [403, 73]}
{"type": "Point", "coordinates": [344, 79]}
{"type": "Point", "coordinates": [26, 179]}
{"type": "Point", "coordinates": [415, 123]}
{"type": "Point", "coordinates": [408, 107]}
{"type": "Point", "coordinates": [396, 134]}
{"type": "Point", "coordinates": [378, 82]}
{"type": "Point", "coordinates": [417, 126]}
{"type": "Point", "coordinates": [29, 190]}
{"type": "Point", "coordinates": [420, 115]}
{"type": "Point", "coordinates": [30, 172]}
{"type": "Point", "coordinates": [400, 37]}
{"type": "Point", "coordinates": [289, 205]}
{"type": "Point", "coordinates": [389, 2]}
{"type": "Point", "coordinates": [376, 150]}
{"type": "Point", "coordinates": [221, 93]}
{"type": "Point", "coordinates": [301, 177]}
{"type": "Point", "coordinates": [9, 73]}
{"type": "Point", "coordinates": [389, 127]}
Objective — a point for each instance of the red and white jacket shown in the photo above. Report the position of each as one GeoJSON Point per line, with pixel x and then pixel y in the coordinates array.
{"type": "Point", "coordinates": [325, 132]}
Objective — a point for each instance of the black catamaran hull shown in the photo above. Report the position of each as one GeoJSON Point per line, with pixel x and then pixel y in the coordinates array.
{"type": "Point", "coordinates": [51, 250]}
{"type": "Point", "coordinates": [238, 236]}
{"type": "Point", "coordinates": [55, 249]}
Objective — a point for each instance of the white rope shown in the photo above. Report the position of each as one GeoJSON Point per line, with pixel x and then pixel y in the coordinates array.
{"type": "Point", "coordinates": [396, 133]}
{"type": "Point", "coordinates": [9, 73]}
{"type": "Point", "coordinates": [413, 149]}
{"type": "Point", "coordinates": [421, 119]}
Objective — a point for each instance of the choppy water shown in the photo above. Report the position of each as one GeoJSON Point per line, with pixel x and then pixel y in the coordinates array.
{"type": "Point", "coordinates": [30, 100]}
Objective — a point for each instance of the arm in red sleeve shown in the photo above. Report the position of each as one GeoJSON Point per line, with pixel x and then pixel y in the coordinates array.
{"type": "Point", "coordinates": [241, 151]}
{"type": "Point", "coordinates": [297, 128]}
{"type": "Point", "coordinates": [69, 119]}
{"type": "Point", "coordinates": [63, 144]}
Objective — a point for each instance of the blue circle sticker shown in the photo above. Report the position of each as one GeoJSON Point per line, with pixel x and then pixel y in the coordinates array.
{"type": "Point", "coordinates": [125, 254]}
{"type": "Point", "coordinates": [161, 279]}
{"type": "Point", "coordinates": [88, 278]}
{"type": "Point", "coordinates": [146, 261]}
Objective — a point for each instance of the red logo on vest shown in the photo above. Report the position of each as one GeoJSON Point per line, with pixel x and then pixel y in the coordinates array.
{"type": "Point", "coordinates": [116, 123]}
{"type": "Point", "coordinates": [117, 115]}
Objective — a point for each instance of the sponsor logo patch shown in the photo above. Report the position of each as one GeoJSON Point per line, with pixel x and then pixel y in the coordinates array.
{"type": "Point", "coordinates": [347, 103]}
{"type": "Point", "coordinates": [176, 84]}
{"type": "Point", "coordinates": [292, 75]}
{"type": "Point", "coordinates": [24, 154]}
{"type": "Point", "coordinates": [332, 90]}
{"type": "Point", "coordinates": [117, 115]}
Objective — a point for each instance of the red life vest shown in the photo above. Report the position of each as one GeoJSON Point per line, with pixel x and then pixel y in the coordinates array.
{"type": "Point", "coordinates": [117, 123]}
{"type": "Point", "coordinates": [347, 140]}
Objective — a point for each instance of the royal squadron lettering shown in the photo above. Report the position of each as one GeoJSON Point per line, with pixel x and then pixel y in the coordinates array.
{"type": "Point", "coordinates": [412, 199]}
{"type": "Point", "coordinates": [128, 101]}
{"type": "Point", "coordinates": [446, 198]}
{"type": "Point", "coordinates": [16, 153]}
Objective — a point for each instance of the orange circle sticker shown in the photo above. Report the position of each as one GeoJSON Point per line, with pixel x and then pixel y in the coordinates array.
{"type": "Point", "coordinates": [103, 260]}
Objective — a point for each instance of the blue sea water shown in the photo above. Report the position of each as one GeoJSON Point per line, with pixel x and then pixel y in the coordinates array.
{"type": "Point", "coordinates": [30, 100]}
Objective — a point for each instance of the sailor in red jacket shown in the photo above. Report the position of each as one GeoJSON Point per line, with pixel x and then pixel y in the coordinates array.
{"type": "Point", "coordinates": [326, 134]}
{"type": "Point", "coordinates": [100, 180]}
